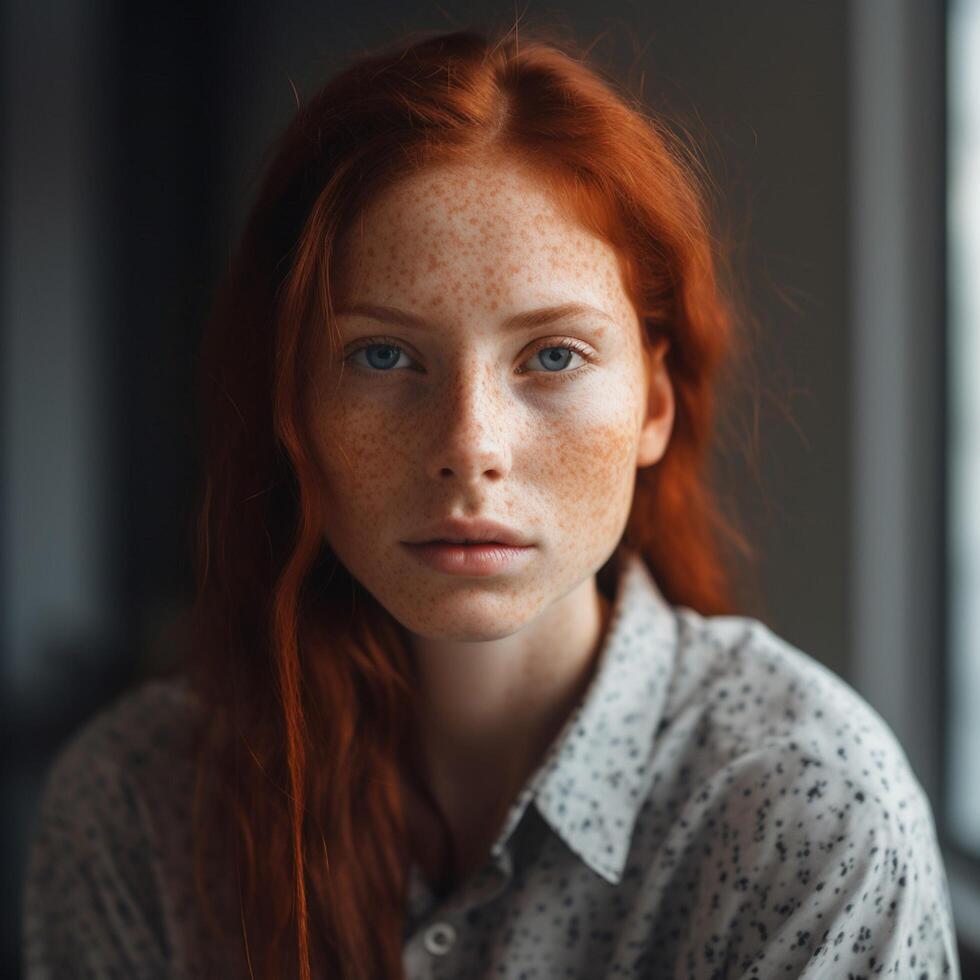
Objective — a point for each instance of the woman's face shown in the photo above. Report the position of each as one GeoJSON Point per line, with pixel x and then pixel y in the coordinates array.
{"type": "Point", "coordinates": [453, 411]}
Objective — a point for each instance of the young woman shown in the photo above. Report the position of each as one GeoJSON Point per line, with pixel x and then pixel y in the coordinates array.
{"type": "Point", "coordinates": [466, 695]}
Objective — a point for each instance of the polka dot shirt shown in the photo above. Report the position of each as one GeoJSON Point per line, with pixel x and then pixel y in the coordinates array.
{"type": "Point", "coordinates": [719, 805]}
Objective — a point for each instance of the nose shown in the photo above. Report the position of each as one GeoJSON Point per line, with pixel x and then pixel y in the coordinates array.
{"type": "Point", "coordinates": [471, 438]}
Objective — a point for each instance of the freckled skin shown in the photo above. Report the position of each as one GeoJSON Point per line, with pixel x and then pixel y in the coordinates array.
{"type": "Point", "coordinates": [467, 422]}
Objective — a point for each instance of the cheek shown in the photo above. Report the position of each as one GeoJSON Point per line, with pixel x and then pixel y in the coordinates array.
{"type": "Point", "coordinates": [591, 474]}
{"type": "Point", "coordinates": [596, 461]}
{"type": "Point", "coordinates": [362, 460]}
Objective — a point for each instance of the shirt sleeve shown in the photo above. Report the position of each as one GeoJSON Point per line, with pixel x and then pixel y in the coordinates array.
{"type": "Point", "coordinates": [91, 905]}
{"type": "Point", "coordinates": [833, 878]}
{"type": "Point", "coordinates": [878, 906]}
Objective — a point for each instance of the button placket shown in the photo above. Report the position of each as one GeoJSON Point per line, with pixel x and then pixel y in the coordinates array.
{"type": "Point", "coordinates": [439, 938]}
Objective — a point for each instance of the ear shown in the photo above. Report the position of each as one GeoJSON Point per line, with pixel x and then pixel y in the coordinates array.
{"type": "Point", "coordinates": [659, 420]}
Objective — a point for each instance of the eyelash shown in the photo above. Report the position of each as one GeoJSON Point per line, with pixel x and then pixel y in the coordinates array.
{"type": "Point", "coordinates": [566, 342]}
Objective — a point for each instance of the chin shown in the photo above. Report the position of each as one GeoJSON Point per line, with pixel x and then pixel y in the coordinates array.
{"type": "Point", "coordinates": [464, 625]}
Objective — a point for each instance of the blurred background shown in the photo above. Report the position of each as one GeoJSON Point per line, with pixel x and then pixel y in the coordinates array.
{"type": "Point", "coordinates": [844, 138]}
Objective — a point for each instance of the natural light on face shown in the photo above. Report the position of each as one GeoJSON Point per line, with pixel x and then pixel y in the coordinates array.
{"type": "Point", "coordinates": [463, 409]}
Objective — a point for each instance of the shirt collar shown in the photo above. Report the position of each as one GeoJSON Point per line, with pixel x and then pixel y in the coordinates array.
{"type": "Point", "coordinates": [599, 770]}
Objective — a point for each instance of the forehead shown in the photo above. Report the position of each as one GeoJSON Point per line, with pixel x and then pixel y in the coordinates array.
{"type": "Point", "coordinates": [485, 234]}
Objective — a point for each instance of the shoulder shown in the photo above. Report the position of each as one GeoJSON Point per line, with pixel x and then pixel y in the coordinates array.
{"type": "Point", "coordinates": [142, 743]}
{"type": "Point", "coordinates": [109, 856]}
{"type": "Point", "coordinates": [819, 831]}
{"type": "Point", "coordinates": [751, 689]}
{"type": "Point", "coordinates": [149, 720]}
{"type": "Point", "coordinates": [126, 775]}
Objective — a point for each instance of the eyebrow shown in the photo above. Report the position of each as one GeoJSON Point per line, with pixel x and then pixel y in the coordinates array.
{"type": "Point", "coordinates": [519, 321]}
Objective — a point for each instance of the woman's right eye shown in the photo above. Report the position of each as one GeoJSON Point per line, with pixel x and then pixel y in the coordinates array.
{"type": "Point", "coordinates": [379, 356]}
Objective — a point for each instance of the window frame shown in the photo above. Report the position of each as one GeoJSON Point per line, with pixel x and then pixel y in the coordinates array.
{"type": "Point", "coordinates": [900, 449]}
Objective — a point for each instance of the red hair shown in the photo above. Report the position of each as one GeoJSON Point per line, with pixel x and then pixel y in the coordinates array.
{"type": "Point", "coordinates": [307, 679]}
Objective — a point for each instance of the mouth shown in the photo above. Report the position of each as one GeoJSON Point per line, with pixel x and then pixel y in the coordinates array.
{"type": "Point", "coordinates": [471, 532]}
{"type": "Point", "coordinates": [475, 558]}
{"type": "Point", "coordinates": [468, 542]}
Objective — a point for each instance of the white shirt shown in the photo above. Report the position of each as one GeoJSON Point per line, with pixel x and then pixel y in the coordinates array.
{"type": "Point", "coordinates": [719, 805]}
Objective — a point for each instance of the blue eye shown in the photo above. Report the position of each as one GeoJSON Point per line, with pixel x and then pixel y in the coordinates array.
{"type": "Point", "coordinates": [554, 358]}
{"type": "Point", "coordinates": [381, 356]}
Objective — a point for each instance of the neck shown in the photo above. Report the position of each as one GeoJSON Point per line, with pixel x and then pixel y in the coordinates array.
{"type": "Point", "coordinates": [490, 710]}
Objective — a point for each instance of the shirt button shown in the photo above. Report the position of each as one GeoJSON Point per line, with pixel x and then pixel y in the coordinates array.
{"type": "Point", "coordinates": [439, 938]}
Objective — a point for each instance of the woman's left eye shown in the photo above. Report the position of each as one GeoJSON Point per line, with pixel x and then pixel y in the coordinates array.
{"type": "Point", "coordinates": [382, 356]}
{"type": "Point", "coordinates": [556, 357]}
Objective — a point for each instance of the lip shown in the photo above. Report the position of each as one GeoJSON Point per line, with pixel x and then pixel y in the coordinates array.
{"type": "Point", "coordinates": [481, 530]}
{"type": "Point", "coordinates": [488, 558]}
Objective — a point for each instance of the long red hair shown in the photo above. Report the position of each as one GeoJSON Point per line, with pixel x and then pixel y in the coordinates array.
{"type": "Point", "coordinates": [307, 682]}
